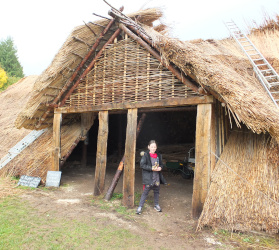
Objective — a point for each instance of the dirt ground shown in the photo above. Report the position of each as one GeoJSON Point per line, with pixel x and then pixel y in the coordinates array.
{"type": "Point", "coordinates": [172, 229]}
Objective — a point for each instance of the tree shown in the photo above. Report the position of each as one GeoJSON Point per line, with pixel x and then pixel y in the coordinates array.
{"type": "Point", "coordinates": [8, 58]}
{"type": "Point", "coordinates": [3, 77]}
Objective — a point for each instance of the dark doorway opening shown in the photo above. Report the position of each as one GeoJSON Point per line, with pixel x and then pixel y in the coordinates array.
{"type": "Point", "coordinates": [166, 127]}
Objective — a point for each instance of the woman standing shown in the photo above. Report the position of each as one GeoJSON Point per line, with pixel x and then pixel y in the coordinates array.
{"type": "Point", "coordinates": [151, 164]}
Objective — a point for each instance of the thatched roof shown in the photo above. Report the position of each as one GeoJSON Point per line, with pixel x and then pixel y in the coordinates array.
{"type": "Point", "coordinates": [12, 100]}
{"type": "Point", "coordinates": [214, 65]}
{"type": "Point", "coordinates": [35, 159]}
{"type": "Point", "coordinates": [51, 81]}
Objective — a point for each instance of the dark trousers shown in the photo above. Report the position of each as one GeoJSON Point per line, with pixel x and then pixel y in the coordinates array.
{"type": "Point", "coordinates": [156, 190]}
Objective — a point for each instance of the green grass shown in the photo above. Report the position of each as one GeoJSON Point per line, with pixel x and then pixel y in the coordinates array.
{"type": "Point", "coordinates": [246, 239]}
{"type": "Point", "coordinates": [22, 227]}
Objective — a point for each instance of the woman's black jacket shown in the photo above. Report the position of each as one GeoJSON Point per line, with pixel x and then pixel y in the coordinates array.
{"type": "Point", "coordinates": [147, 173]}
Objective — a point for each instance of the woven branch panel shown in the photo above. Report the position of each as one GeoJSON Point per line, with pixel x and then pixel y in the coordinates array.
{"type": "Point", "coordinates": [126, 72]}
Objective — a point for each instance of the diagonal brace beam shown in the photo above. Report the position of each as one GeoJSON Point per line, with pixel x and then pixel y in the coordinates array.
{"type": "Point", "coordinates": [116, 33]}
{"type": "Point", "coordinates": [70, 80]}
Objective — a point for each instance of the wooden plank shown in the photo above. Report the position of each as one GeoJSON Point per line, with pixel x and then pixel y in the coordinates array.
{"type": "Point", "coordinates": [170, 102]}
{"type": "Point", "coordinates": [130, 154]}
{"type": "Point", "coordinates": [101, 155]}
{"type": "Point", "coordinates": [56, 155]}
{"type": "Point", "coordinates": [205, 144]}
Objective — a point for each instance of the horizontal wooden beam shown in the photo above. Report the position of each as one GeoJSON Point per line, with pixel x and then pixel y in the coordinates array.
{"type": "Point", "coordinates": [171, 102]}
{"type": "Point", "coordinates": [151, 110]}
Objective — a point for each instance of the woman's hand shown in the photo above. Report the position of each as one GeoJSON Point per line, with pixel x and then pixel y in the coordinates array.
{"type": "Point", "coordinates": [157, 169]}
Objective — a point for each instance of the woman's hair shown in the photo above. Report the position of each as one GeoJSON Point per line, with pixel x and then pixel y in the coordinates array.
{"type": "Point", "coordinates": [152, 141]}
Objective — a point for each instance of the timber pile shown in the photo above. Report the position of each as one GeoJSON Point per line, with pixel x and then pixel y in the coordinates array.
{"type": "Point", "coordinates": [244, 190]}
{"type": "Point", "coordinates": [11, 101]}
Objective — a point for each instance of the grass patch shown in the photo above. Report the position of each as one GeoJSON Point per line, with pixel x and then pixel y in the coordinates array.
{"type": "Point", "coordinates": [116, 196]}
{"type": "Point", "coordinates": [247, 239]}
{"type": "Point", "coordinates": [22, 227]}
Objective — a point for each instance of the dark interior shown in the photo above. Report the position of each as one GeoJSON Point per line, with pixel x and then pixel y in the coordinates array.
{"type": "Point", "coordinates": [166, 127]}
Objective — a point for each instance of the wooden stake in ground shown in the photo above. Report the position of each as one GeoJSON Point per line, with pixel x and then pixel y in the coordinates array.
{"type": "Point", "coordinates": [101, 157]}
{"type": "Point", "coordinates": [121, 164]}
{"type": "Point", "coordinates": [57, 120]}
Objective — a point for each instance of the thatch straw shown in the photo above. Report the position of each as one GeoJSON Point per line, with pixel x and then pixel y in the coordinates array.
{"type": "Point", "coordinates": [225, 73]}
{"type": "Point", "coordinates": [244, 190]}
{"type": "Point", "coordinates": [11, 101]}
{"type": "Point", "coordinates": [247, 102]}
{"type": "Point", "coordinates": [35, 160]}
{"type": "Point", "coordinates": [64, 64]}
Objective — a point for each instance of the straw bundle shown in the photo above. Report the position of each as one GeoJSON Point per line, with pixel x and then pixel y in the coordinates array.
{"type": "Point", "coordinates": [267, 43]}
{"type": "Point", "coordinates": [35, 160]}
{"type": "Point", "coordinates": [11, 102]}
{"type": "Point", "coordinates": [245, 100]}
{"type": "Point", "coordinates": [244, 190]}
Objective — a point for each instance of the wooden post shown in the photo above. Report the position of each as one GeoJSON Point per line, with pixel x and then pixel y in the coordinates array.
{"type": "Point", "coordinates": [121, 164]}
{"type": "Point", "coordinates": [101, 156]}
{"type": "Point", "coordinates": [130, 151]}
{"type": "Point", "coordinates": [205, 161]}
{"type": "Point", "coordinates": [87, 120]}
{"type": "Point", "coordinates": [84, 153]}
{"type": "Point", "coordinates": [119, 135]}
{"type": "Point", "coordinates": [56, 155]}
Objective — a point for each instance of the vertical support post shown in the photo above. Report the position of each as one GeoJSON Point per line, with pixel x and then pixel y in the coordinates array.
{"type": "Point", "coordinates": [87, 120]}
{"type": "Point", "coordinates": [101, 155]}
{"type": "Point", "coordinates": [119, 135]}
{"type": "Point", "coordinates": [130, 152]}
{"type": "Point", "coordinates": [205, 162]}
{"type": "Point", "coordinates": [84, 153]}
{"type": "Point", "coordinates": [56, 155]}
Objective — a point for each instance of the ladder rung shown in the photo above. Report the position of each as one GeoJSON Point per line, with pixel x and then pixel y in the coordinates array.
{"type": "Point", "coordinates": [260, 64]}
{"type": "Point", "coordinates": [253, 54]}
{"type": "Point", "coordinates": [272, 84]}
{"type": "Point", "coordinates": [266, 70]}
{"type": "Point", "coordinates": [260, 59]}
{"type": "Point", "coordinates": [247, 45]}
{"type": "Point", "coordinates": [250, 50]}
{"type": "Point", "coordinates": [272, 76]}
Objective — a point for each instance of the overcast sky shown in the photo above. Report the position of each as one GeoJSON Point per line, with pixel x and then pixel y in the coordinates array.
{"type": "Point", "coordinates": [39, 28]}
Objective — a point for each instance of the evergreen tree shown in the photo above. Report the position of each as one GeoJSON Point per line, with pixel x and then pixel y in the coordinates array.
{"type": "Point", "coordinates": [8, 58]}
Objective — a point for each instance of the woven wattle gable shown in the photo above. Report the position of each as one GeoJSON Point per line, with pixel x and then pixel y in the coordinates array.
{"type": "Point", "coordinates": [127, 73]}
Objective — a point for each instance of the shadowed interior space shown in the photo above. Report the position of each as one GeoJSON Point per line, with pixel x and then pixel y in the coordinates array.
{"type": "Point", "coordinates": [173, 130]}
